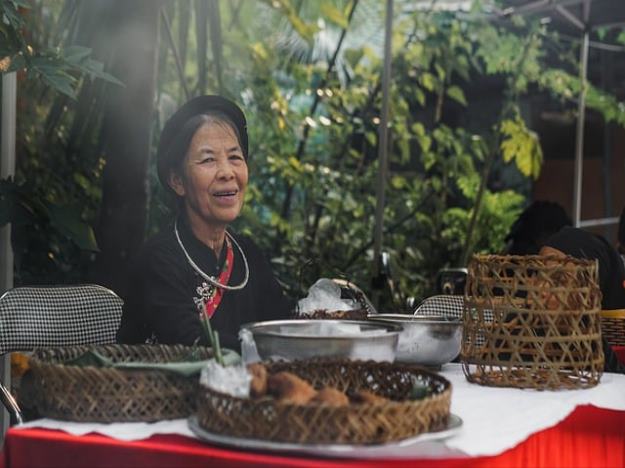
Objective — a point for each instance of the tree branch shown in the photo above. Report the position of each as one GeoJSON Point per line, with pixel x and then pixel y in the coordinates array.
{"type": "Point", "coordinates": [170, 38]}
{"type": "Point", "coordinates": [286, 206]}
{"type": "Point", "coordinates": [389, 230]}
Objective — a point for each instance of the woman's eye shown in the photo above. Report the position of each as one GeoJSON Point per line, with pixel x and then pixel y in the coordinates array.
{"type": "Point", "coordinates": [207, 159]}
{"type": "Point", "coordinates": [236, 157]}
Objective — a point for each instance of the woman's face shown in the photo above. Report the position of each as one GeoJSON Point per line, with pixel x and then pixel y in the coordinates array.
{"type": "Point", "coordinates": [214, 176]}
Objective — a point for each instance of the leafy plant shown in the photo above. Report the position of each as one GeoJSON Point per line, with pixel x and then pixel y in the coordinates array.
{"type": "Point", "coordinates": [53, 198]}
{"type": "Point", "coordinates": [521, 146]}
{"type": "Point", "coordinates": [60, 68]}
{"type": "Point", "coordinates": [308, 77]}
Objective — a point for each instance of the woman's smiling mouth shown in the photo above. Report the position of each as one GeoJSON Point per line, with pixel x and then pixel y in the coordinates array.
{"type": "Point", "coordinates": [226, 197]}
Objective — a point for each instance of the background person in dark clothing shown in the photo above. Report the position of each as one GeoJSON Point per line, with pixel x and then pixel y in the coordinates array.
{"type": "Point", "coordinates": [545, 228]}
{"type": "Point", "coordinates": [620, 237]}
{"type": "Point", "coordinates": [534, 226]}
{"type": "Point", "coordinates": [582, 244]}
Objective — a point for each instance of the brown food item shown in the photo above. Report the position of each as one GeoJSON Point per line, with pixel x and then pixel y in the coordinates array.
{"type": "Point", "coordinates": [258, 385]}
{"type": "Point", "coordinates": [365, 396]}
{"type": "Point", "coordinates": [355, 314]}
{"type": "Point", "coordinates": [330, 396]}
{"type": "Point", "coordinates": [20, 364]}
{"type": "Point", "coordinates": [289, 388]}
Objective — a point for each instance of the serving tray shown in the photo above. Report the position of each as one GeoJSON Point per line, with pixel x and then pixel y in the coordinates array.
{"type": "Point", "coordinates": [454, 425]}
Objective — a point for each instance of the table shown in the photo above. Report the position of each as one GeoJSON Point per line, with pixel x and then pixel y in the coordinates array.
{"type": "Point", "coordinates": [589, 437]}
{"type": "Point", "coordinates": [503, 427]}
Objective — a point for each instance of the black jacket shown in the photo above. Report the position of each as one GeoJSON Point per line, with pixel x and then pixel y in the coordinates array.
{"type": "Point", "coordinates": [161, 294]}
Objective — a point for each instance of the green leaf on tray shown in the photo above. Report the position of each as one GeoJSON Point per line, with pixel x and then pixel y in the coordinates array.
{"type": "Point", "coordinates": [419, 391]}
{"type": "Point", "coordinates": [87, 359]}
{"type": "Point", "coordinates": [92, 358]}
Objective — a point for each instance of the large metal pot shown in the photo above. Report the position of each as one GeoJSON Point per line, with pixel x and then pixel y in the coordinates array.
{"type": "Point", "coordinates": [305, 339]}
{"type": "Point", "coordinates": [426, 340]}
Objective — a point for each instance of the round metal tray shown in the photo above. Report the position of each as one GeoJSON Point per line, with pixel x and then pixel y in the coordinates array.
{"type": "Point", "coordinates": [386, 450]}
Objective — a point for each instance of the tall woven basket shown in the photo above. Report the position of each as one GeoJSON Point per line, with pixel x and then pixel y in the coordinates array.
{"type": "Point", "coordinates": [107, 394]}
{"type": "Point", "coordinates": [537, 320]}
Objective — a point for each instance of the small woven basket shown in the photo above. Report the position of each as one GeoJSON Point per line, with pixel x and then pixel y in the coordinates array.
{"type": "Point", "coordinates": [108, 394]}
{"type": "Point", "coordinates": [613, 326]}
{"type": "Point", "coordinates": [538, 322]}
{"type": "Point", "coordinates": [362, 423]}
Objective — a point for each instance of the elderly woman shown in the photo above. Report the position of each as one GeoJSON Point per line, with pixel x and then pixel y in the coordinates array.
{"type": "Point", "coordinates": [198, 265]}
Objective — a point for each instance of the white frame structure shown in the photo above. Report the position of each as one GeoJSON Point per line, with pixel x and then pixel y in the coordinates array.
{"type": "Point", "coordinates": [585, 25]}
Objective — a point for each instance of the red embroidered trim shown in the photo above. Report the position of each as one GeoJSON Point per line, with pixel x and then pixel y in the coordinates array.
{"type": "Point", "coordinates": [215, 299]}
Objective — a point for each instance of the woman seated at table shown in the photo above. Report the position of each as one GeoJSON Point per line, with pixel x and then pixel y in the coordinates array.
{"type": "Point", "coordinates": [198, 265]}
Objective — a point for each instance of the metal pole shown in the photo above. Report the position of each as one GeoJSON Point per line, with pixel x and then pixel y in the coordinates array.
{"type": "Point", "coordinates": [7, 169]}
{"type": "Point", "coordinates": [599, 222]}
{"type": "Point", "coordinates": [606, 160]}
{"type": "Point", "coordinates": [383, 139]}
{"type": "Point", "coordinates": [579, 140]}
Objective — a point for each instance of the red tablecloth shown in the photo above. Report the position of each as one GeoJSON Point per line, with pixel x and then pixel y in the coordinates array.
{"type": "Point", "coordinates": [589, 437]}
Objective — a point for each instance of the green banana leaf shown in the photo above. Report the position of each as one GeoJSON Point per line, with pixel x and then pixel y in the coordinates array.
{"type": "Point", "coordinates": [92, 358]}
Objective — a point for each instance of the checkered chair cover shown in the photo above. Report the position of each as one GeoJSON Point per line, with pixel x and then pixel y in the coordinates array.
{"type": "Point", "coordinates": [445, 305]}
{"type": "Point", "coordinates": [448, 306]}
{"type": "Point", "coordinates": [51, 316]}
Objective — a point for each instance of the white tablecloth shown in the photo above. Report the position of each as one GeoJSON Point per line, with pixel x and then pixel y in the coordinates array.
{"type": "Point", "coordinates": [494, 419]}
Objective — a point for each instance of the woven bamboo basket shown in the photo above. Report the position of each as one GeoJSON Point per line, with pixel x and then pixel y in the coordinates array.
{"type": "Point", "coordinates": [538, 318]}
{"type": "Point", "coordinates": [362, 423]}
{"type": "Point", "coordinates": [613, 326]}
{"type": "Point", "coordinates": [108, 394]}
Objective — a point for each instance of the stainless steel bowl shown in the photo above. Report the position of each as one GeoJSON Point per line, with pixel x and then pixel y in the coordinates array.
{"type": "Point", "coordinates": [426, 339]}
{"type": "Point", "coordinates": [304, 339]}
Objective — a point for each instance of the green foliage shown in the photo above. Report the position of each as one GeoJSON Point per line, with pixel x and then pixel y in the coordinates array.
{"type": "Point", "coordinates": [435, 169]}
{"type": "Point", "coordinates": [53, 199]}
{"type": "Point", "coordinates": [286, 8]}
{"type": "Point", "coordinates": [334, 15]}
{"type": "Point", "coordinates": [61, 69]}
{"type": "Point", "coordinates": [314, 135]}
{"type": "Point", "coordinates": [521, 145]}
{"type": "Point", "coordinates": [567, 87]}
{"type": "Point", "coordinates": [50, 238]}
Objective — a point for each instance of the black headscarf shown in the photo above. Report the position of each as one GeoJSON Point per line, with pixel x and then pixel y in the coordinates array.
{"type": "Point", "coordinates": [534, 226]}
{"type": "Point", "coordinates": [166, 158]}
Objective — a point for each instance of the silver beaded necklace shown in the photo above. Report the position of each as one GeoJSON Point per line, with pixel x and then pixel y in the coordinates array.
{"type": "Point", "coordinates": [209, 278]}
